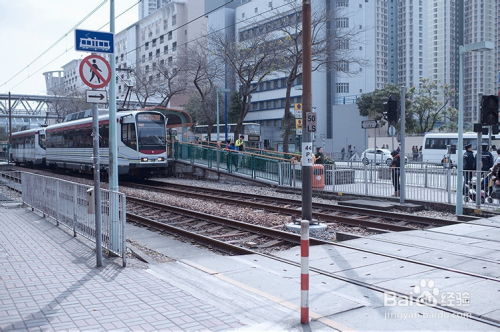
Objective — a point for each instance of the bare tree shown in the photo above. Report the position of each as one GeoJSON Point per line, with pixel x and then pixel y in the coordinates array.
{"type": "Point", "coordinates": [66, 103]}
{"type": "Point", "coordinates": [171, 80]}
{"type": "Point", "coordinates": [251, 60]}
{"type": "Point", "coordinates": [202, 72]}
{"type": "Point", "coordinates": [323, 35]}
{"type": "Point", "coordinates": [145, 85]}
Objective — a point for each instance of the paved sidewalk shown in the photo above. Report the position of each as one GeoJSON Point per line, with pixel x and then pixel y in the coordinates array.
{"type": "Point", "coordinates": [49, 281]}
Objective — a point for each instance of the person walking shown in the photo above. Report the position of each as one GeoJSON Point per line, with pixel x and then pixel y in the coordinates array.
{"type": "Point", "coordinates": [395, 172]}
{"type": "Point", "coordinates": [486, 159]}
{"type": "Point", "coordinates": [469, 164]}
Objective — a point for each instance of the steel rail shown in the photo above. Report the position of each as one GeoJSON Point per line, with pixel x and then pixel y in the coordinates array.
{"type": "Point", "coordinates": [236, 249]}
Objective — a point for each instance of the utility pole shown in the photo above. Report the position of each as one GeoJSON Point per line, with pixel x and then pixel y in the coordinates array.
{"type": "Point", "coordinates": [10, 128]}
{"type": "Point", "coordinates": [113, 147]}
{"type": "Point", "coordinates": [402, 161]}
{"type": "Point", "coordinates": [307, 154]}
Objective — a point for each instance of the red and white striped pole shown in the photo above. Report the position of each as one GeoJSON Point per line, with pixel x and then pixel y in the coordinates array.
{"type": "Point", "coordinates": [304, 272]}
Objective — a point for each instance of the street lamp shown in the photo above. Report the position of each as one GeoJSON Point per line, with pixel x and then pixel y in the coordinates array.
{"type": "Point", "coordinates": [474, 47]}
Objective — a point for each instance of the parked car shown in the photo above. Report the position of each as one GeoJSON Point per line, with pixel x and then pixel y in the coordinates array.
{"type": "Point", "coordinates": [381, 156]}
{"type": "Point", "coordinates": [377, 156]}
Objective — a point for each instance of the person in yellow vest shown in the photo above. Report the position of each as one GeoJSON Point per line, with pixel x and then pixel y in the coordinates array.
{"type": "Point", "coordinates": [240, 144]}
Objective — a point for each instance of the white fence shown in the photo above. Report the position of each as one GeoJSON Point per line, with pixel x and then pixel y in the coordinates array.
{"type": "Point", "coordinates": [423, 183]}
{"type": "Point", "coordinates": [68, 203]}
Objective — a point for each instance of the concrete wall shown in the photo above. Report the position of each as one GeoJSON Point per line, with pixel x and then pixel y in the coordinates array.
{"type": "Point", "coordinates": [346, 130]}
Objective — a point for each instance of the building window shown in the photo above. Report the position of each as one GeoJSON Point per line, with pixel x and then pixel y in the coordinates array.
{"type": "Point", "coordinates": [342, 87]}
{"type": "Point", "coordinates": [146, 45]}
{"type": "Point", "coordinates": [343, 44]}
{"type": "Point", "coordinates": [157, 52]}
{"type": "Point", "coordinates": [154, 42]}
{"type": "Point", "coordinates": [342, 3]}
{"type": "Point", "coordinates": [169, 35]}
{"type": "Point", "coordinates": [342, 22]}
{"type": "Point", "coordinates": [270, 4]}
{"type": "Point", "coordinates": [174, 46]}
{"type": "Point", "coordinates": [162, 38]}
{"type": "Point", "coordinates": [150, 55]}
{"type": "Point", "coordinates": [343, 66]}
{"type": "Point", "coordinates": [174, 20]}
{"type": "Point", "coordinates": [165, 49]}
{"type": "Point", "coordinates": [143, 58]}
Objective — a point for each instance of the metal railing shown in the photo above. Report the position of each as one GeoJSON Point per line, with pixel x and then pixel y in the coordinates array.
{"type": "Point", "coordinates": [70, 204]}
{"type": "Point", "coordinates": [424, 182]}
{"type": "Point", "coordinates": [252, 165]}
{"type": "Point", "coordinates": [10, 186]}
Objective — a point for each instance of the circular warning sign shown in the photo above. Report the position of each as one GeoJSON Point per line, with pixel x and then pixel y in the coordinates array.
{"type": "Point", "coordinates": [95, 71]}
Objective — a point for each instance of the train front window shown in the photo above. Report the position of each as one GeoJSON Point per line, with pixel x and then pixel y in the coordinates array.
{"type": "Point", "coordinates": [151, 131]}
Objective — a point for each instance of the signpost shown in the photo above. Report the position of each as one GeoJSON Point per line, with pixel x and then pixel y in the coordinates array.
{"type": "Point", "coordinates": [97, 96]}
{"type": "Point", "coordinates": [369, 124]}
{"type": "Point", "coordinates": [311, 122]}
{"type": "Point", "coordinates": [95, 72]}
{"type": "Point", "coordinates": [94, 41]}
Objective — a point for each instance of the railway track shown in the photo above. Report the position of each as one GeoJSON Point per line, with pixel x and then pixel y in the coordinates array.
{"type": "Point", "coordinates": [374, 221]}
{"type": "Point", "coordinates": [237, 237]}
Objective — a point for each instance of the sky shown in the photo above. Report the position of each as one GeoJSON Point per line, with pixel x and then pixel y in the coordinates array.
{"type": "Point", "coordinates": [29, 27]}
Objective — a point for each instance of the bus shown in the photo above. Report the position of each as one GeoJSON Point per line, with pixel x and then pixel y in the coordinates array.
{"type": "Point", "coordinates": [251, 133]}
{"type": "Point", "coordinates": [435, 145]}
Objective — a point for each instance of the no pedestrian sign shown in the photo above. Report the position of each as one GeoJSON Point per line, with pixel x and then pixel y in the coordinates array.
{"type": "Point", "coordinates": [95, 71]}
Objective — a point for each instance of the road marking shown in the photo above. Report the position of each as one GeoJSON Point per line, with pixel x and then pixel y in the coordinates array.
{"type": "Point", "coordinates": [275, 299]}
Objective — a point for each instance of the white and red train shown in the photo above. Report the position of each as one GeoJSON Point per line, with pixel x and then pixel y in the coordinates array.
{"type": "Point", "coordinates": [68, 145]}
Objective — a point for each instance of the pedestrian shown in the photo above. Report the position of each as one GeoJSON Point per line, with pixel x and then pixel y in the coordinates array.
{"type": "Point", "coordinates": [486, 159]}
{"type": "Point", "coordinates": [395, 172]}
{"type": "Point", "coordinates": [469, 163]}
{"type": "Point", "coordinates": [414, 151]}
{"type": "Point", "coordinates": [240, 144]}
{"type": "Point", "coordinates": [319, 156]}
{"type": "Point", "coordinates": [497, 161]}
{"type": "Point", "coordinates": [342, 153]}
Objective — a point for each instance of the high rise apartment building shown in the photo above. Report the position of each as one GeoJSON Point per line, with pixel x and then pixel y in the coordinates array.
{"type": "Point", "coordinates": [155, 41]}
{"type": "Point", "coordinates": [148, 7]}
{"type": "Point", "coordinates": [480, 68]}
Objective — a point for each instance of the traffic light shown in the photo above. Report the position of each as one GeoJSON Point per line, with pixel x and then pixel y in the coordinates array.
{"type": "Point", "coordinates": [391, 108]}
{"type": "Point", "coordinates": [489, 110]}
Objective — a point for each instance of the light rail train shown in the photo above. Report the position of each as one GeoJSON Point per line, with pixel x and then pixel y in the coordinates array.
{"type": "Point", "coordinates": [68, 145]}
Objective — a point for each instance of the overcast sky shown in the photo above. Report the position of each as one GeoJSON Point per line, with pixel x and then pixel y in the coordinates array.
{"type": "Point", "coordinates": [29, 27]}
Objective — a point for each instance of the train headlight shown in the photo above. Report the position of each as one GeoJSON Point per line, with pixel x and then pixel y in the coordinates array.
{"type": "Point", "coordinates": [144, 159]}
{"type": "Point", "coordinates": [161, 159]}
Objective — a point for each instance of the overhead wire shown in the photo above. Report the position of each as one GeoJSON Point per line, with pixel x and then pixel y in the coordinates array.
{"type": "Point", "coordinates": [55, 43]}
{"type": "Point", "coordinates": [177, 28]}
{"type": "Point", "coordinates": [70, 48]}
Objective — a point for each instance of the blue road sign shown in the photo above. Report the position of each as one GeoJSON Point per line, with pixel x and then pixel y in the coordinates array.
{"type": "Point", "coordinates": [94, 41]}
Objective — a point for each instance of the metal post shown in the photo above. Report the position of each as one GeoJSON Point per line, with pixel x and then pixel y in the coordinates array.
{"type": "Point", "coordinates": [460, 145]}
{"type": "Point", "coordinates": [304, 271]}
{"type": "Point", "coordinates": [375, 144]}
{"type": "Point", "coordinates": [307, 149]}
{"type": "Point", "coordinates": [402, 181]}
{"type": "Point", "coordinates": [219, 144]}
{"type": "Point", "coordinates": [97, 187]}
{"type": "Point", "coordinates": [10, 128]}
{"type": "Point", "coordinates": [113, 147]}
{"type": "Point", "coordinates": [448, 182]}
{"type": "Point", "coordinates": [478, 168]}
{"type": "Point", "coordinates": [225, 116]}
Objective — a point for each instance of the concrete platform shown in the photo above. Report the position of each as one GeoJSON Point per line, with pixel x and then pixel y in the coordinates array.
{"type": "Point", "coordinates": [381, 205]}
{"type": "Point", "coordinates": [49, 282]}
